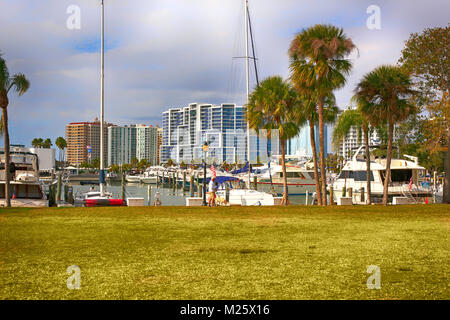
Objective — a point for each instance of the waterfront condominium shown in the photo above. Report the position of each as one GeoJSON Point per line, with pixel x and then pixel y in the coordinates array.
{"type": "Point", "coordinates": [160, 139]}
{"type": "Point", "coordinates": [300, 145]}
{"type": "Point", "coordinates": [223, 127]}
{"type": "Point", "coordinates": [82, 137]}
{"type": "Point", "coordinates": [134, 141]}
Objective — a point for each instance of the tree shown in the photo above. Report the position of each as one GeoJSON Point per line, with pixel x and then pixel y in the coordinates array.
{"type": "Point", "coordinates": [170, 163]}
{"type": "Point", "coordinates": [426, 57]}
{"type": "Point", "coordinates": [47, 144]}
{"type": "Point", "coordinates": [384, 96]}
{"type": "Point", "coordinates": [319, 65]}
{"type": "Point", "coordinates": [271, 107]}
{"type": "Point", "coordinates": [37, 143]}
{"type": "Point", "coordinates": [61, 143]}
{"type": "Point", "coordinates": [134, 163]}
{"type": "Point", "coordinates": [355, 118]}
{"type": "Point", "coordinates": [95, 164]}
{"type": "Point", "coordinates": [20, 84]}
{"type": "Point", "coordinates": [307, 112]}
{"type": "Point", "coordinates": [114, 168]}
{"type": "Point", "coordinates": [143, 164]}
{"type": "Point", "coordinates": [126, 167]}
{"type": "Point", "coordinates": [85, 164]}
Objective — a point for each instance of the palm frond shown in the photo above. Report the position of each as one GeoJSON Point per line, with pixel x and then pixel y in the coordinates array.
{"type": "Point", "coordinates": [20, 83]}
{"type": "Point", "coordinates": [4, 74]}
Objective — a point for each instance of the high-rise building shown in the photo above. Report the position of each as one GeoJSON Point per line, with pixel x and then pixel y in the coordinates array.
{"type": "Point", "coordinates": [354, 140]}
{"type": "Point", "coordinates": [223, 127]}
{"type": "Point", "coordinates": [134, 141]}
{"type": "Point", "coordinates": [84, 136]}
{"type": "Point", "coordinates": [147, 143]}
{"type": "Point", "coordinates": [300, 145]}
{"type": "Point", "coordinates": [121, 144]}
{"type": "Point", "coordinates": [160, 139]}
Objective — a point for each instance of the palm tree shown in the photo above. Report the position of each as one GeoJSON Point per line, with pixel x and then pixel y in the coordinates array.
{"type": "Point", "coordinates": [37, 142]}
{"type": "Point", "coordinates": [354, 118]}
{"type": "Point", "coordinates": [170, 163]}
{"type": "Point", "coordinates": [307, 110]}
{"type": "Point", "coordinates": [318, 64]}
{"type": "Point", "coordinates": [143, 164]}
{"type": "Point", "coordinates": [273, 106]}
{"type": "Point", "coordinates": [61, 143]}
{"type": "Point", "coordinates": [20, 84]}
{"type": "Point", "coordinates": [384, 96]}
{"type": "Point", "coordinates": [47, 144]}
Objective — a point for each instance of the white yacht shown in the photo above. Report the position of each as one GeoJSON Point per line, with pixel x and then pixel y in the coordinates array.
{"type": "Point", "coordinates": [405, 178]}
{"type": "Point", "coordinates": [148, 177]}
{"type": "Point", "coordinates": [25, 187]}
{"type": "Point", "coordinates": [133, 178]}
{"type": "Point", "coordinates": [246, 197]}
{"type": "Point", "coordinates": [299, 179]}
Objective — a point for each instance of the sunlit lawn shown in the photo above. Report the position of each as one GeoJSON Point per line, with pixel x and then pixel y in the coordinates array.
{"type": "Point", "coordinates": [226, 253]}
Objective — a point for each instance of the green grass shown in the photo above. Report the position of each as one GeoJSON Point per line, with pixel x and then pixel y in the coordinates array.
{"type": "Point", "coordinates": [226, 253]}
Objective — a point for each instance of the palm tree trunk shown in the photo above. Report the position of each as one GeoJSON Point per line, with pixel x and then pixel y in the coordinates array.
{"type": "Point", "coordinates": [7, 157]}
{"type": "Point", "coordinates": [323, 173]}
{"type": "Point", "coordinates": [314, 152]}
{"type": "Point", "coordinates": [366, 142]}
{"type": "Point", "coordinates": [285, 200]}
{"type": "Point", "coordinates": [387, 177]}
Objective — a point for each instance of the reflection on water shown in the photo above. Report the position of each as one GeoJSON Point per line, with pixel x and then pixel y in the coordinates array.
{"type": "Point", "coordinates": [168, 196]}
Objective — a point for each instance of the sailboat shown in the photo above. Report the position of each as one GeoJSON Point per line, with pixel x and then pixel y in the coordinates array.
{"type": "Point", "coordinates": [101, 198]}
{"type": "Point", "coordinates": [249, 196]}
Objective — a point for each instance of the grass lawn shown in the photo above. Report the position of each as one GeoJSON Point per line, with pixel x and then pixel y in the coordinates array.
{"type": "Point", "coordinates": [226, 253]}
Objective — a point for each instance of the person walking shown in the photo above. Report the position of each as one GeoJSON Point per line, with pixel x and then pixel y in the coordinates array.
{"type": "Point", "coordinates": [212, 192]}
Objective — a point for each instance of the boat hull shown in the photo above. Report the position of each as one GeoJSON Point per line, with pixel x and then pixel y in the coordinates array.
{"type": "Point", "coordinates": [26, 203]}
{"type": "Point", "coordinates": [149, 180]}
{"type": "Point", "coordinates": [293, 188]}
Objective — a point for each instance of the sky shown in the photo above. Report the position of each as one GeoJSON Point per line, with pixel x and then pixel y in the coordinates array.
{"type": "Point", "coordinates": [163, 54]}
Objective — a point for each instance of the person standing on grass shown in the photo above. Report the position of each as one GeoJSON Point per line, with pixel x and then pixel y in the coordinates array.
{"type": "Point", "coordinates": [212, 191]}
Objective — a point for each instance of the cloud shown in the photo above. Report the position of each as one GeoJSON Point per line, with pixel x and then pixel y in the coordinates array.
{"type": "Point", "coordinates": [168, 53]}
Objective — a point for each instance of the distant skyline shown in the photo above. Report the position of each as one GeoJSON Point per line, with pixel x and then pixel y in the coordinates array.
{"type": "Point", "coordinates": [163, 54]}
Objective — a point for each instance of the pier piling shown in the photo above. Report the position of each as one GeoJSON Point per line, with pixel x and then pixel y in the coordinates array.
{"type": "Point", "coordinates": [331, 195]}
{"type": "Point", "coordinates": [123, 186]}
{"type": "Point", "coordinates": [191, 185]}
{"type": "Point", "coordinates": [58, 190]}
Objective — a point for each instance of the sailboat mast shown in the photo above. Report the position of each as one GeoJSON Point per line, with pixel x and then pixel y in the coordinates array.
{"type": "Point", "coordinates": [247, 82]}
{"type": "Point", "coordinates": [102, 96]}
